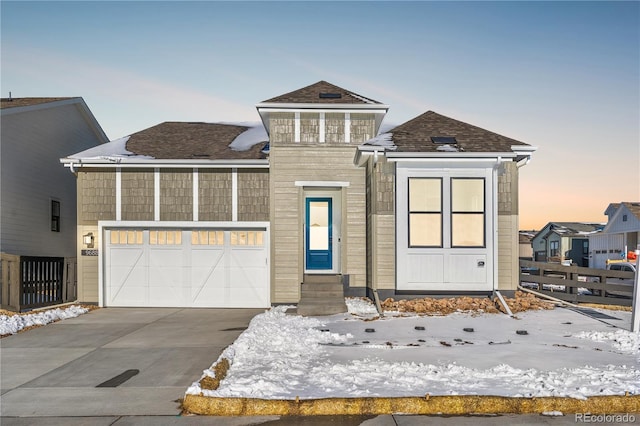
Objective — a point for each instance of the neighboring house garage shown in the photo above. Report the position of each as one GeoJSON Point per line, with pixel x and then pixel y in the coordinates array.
{"type": "Point", "coordinates": [196, 267]}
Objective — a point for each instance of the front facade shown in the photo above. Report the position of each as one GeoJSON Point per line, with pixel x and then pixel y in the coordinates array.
{"type": "Point", "coordinates": [620, 236]}
{"type": "Point", "coordinates": [38, 196]}
{"type": "Point", "coordinates": [565, 242]}
{"type": "Point", "coordinates": [203, 214]}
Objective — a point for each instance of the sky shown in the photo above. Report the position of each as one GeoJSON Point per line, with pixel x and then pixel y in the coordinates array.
{"type": "Point", "coordinates": [561, 76]}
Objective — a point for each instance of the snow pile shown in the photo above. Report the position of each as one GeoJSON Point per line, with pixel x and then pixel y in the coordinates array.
{"type": "Point", "coordinates": [273, 355]}
{"type": "Point", "coordinates": [15, 323]}
{"type": "Point", "coordinates": [284, 356]}
{"type": "Point", "coordinates": [114, 151]}
{"type": "Point", "coordinates": [360, 306]}
{"type": "Point", "coordinates": [622, 340]}
{"type": "Point", "coordinates": [255, 134]}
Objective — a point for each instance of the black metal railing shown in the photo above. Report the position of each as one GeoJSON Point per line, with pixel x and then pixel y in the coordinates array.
{"type": "Point", "coordinates": [41, 281]}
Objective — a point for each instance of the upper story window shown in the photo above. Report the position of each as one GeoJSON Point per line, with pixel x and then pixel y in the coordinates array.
{"type": "Point", "coordinates": [554, 248]}
{"type": "Point", "coordinates": [55, 216]}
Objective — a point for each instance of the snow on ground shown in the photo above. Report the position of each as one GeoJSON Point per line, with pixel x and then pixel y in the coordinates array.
{"type": "Point", "coordinates": [562, 353]}
{"type": "Point", "coordinates": [14, 323]}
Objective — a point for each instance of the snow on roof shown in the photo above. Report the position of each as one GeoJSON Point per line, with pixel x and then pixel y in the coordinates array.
{"type": "Point", "coordinates": [256, 133]}
{"type": "Point", "coordinates": [114, 150]}
{"type": "Point", "coordinates": [362, 98]}
{"type": "Point", "coordinates": [384, 140]}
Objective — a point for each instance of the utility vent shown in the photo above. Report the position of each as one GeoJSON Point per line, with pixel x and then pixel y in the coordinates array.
{"type": "Point", "coordinates": [449, 140]}
{"type": "Point", "coordinates": [330, 95]}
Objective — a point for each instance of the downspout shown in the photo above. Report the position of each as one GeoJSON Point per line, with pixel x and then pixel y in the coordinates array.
{"type": "Point", "coordinates": [494, 184]}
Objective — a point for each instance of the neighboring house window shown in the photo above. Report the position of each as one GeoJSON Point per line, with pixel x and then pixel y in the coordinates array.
{"type": "Point", "coordinates": [467, 212]}
{"type": "Point", "coordinates": [425, 212]}
{"type": "Point", "coordinates": [624, 217]}
{"type": "Point", "coordinates": [554, 248]}
{"type": "Point", "coordinates": [585, 247]}
{"type": "Point", "coordinates": [55, 216]}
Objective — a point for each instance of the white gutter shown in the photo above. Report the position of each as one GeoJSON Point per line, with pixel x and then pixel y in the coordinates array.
{"type": "Point", "coordinates": [287, 107]}
{"type": "Point", "coordinates": [74, 163]}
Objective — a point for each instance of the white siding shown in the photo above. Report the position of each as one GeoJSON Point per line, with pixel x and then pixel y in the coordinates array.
{"type": "Point", "coordinates": [31, 175]}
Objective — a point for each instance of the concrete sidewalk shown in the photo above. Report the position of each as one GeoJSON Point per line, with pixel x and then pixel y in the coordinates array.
{"type": "Point", "coordinates": [142, 358]}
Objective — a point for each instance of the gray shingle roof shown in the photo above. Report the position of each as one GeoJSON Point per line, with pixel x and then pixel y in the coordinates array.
{"type": "Point", "coordinates": [415, 135]}
{"type": "Point", "coordinates": [21, 102]}
{"type": "Point", "coordinates": [311, 95]}
{"type": "Point", "coordinates": [184, 140]}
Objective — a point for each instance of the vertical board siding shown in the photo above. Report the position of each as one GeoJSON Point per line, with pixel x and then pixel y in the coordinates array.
{"type": "Point", "coordinates": [137, 194]}
{"type": "Point", "coordinates": [281, 127]}
{"type": "Point", "coordinates": [176, 194]}
{"type": "Point", "coordinates": [362, 127]}
{"type": "Point", "coordinates": [214, 195]}
{"type": "Point", "coordinates": [253, 195]}
{"type": "Point", "coordinates": [96, 196]}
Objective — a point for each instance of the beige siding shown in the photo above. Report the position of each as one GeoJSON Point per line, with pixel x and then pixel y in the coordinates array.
{"type": "Point", "coordinates": [508, 189]}
{"type": "Point", "coordinates": [214, 195]}
{"type": "Point", "coordinates": [384, 252]}
{"type": "Point", "coordinates": [318, 163]}
{"type": "Point", "coordinates": [362, 127]}
{"type": "Point", "coordinates": [281, 127]}
{"type": "Point", "coordinates": [87, 267]}
{"type": "Point", "coordinates": [253, 195]}
{"type": "Point", "coordinates": [309, 127]}
{"type": "Point", "coordinates": [508, 262]}
{"type": "Point", "coordinates": [334, 127]}
{"type": "Point", "coordinates": [137, 194]}
{"type": "Point", "coordinates": [176, 194]}
{"type": "Point", "coordinates": [96, 196]}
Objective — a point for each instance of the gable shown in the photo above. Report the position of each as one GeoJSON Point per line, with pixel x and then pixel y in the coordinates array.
{"type": "Point", "coordinates": [433, 132]}
{"type": "Point", "coordinates": [625, 219]}
{"type": "Point", "coordinates": [321, 92]}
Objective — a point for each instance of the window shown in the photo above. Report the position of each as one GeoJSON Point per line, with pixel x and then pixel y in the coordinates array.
{"type": "Point", "coordinates": [554, 248]}
{"type": "Point", "coordinates": [467, 212]}
{"type": "Point", "coordinates": [128, 237]}
{"type": "Point", "coordinates": [55, 216]}
{"type": "Point", "coordinates": [209, 238]}
{"type": "Point", "coordinates": [585, 247]}
{"type": "Point", "coordinates": [425, 212]}
{"type": "Point", "coordinates": [168, 238]}
{"type": "Point", "coordinates": [624, 218]}
{"type": "Point", "coordinates": [247, 238]}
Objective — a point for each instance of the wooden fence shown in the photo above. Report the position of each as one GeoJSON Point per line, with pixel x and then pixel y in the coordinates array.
{"type": "Point", "coordinates": [577, 284]}
{"type": "Point", "coordinates": [30, 282]}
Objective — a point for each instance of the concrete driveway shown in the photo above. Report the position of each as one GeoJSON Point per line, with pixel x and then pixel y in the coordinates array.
{"type": "Point", "coordinates": [113, 361]}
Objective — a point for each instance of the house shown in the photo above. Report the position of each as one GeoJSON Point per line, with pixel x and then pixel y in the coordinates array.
{"type": "Point", "coordinates": [563, 241]}
{"type": "Point", "coordinates": [223, 215]}
{"type": "Point", "coordinates": [524, 243]}
{"type": "Point", "coordinates": [39, 197]}
{"type": "Point", "coordinates": [620, 236]}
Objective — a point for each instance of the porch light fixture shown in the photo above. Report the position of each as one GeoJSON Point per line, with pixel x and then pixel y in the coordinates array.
{"type": "Point", "coordinates": [87, 240]}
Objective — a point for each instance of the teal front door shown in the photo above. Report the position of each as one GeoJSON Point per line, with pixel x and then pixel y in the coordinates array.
{"type": "Point", "coordinates": [318, 233]}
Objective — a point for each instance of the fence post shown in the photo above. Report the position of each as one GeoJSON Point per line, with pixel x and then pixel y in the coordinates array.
{"type": "Point", "coordinates": [635, 315]}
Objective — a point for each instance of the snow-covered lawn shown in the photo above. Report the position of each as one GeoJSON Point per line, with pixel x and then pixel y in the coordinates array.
{"type": "Point", "coordinates": [540, 353]}
{"type": "Point", "coordinates": [11, 324]}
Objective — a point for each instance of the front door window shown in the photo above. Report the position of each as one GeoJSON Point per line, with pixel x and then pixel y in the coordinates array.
{"type": "Point", "coordinates": [318, 233]}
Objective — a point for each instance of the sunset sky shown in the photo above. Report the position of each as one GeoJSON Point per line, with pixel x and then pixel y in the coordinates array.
{"type": "Point", "coordinates": [562, 76]}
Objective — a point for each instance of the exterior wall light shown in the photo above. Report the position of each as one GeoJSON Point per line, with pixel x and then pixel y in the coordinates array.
{"type": "Point", "coordinates": [87, 240]}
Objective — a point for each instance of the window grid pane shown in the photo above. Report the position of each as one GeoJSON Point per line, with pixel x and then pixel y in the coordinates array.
{"type": "Point", "coordinates": [425, 212]}
{"type": "Point", "coordinates": [425, 230]}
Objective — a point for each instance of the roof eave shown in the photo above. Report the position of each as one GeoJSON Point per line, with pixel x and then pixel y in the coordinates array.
{"type": "Point", "coordinates": [288, 106]}
{"type": "Point", "coordinates": [123, 162]}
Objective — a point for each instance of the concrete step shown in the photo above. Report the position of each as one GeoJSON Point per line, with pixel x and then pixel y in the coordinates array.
{"type": "Point", "coordinates": [321, 300]}
{"type": "Point", "coordinates": [321, 278]}
{"type": "Point", "coordinates": [320, 310]}
{"type": "Point", "coordinates": [322, 294]}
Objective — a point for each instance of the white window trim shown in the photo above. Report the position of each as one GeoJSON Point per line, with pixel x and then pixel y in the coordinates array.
{"type": "Point", "coordinates": [118, 193]}
{"type": "Point", "coordinates": [196, 194]}
{"type": "Point", "coordinates": [156, 194]}
{"type": "Point", "coordinates": [324, 183]}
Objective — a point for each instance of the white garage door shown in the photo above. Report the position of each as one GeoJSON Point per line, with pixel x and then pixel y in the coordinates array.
{"type": "Point", "coordinates": [187, 268]}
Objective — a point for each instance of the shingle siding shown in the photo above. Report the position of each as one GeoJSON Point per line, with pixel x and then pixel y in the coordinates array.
{"type": "Point", "coordinates": [137, 194]}
{"type": "Point", "coordinates": [176, 194]}
{"type": "Point", "coordinates": [253, 195]}
{"type": "Point", "coordinates": [214, 195]}
{"type": "Point", "coordinates": [96, 196]}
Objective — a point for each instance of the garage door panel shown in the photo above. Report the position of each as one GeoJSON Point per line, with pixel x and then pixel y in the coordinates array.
{"type": "Point", "coordinates": [206, 270]}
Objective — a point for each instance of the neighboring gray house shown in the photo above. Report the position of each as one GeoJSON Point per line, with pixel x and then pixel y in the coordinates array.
{"type": "Point", "coordinates": [38, 197]}
{"type": "Point", "coordinates": [564, 241]}
{"type": "Point", "coordinates": [620, 236]}
{"type": "Point", "coordinates": [524, 243]}
{"type": "Point", "coordinates": [221, 215]}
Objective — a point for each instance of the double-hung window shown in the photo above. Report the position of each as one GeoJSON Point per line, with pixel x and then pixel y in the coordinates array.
{"type": "Point", "coordinates": [55, 216]}
{"type": "Point", "coordinates": [467, 212]}
{"type": "Point", "coordinates": [425, 212]}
